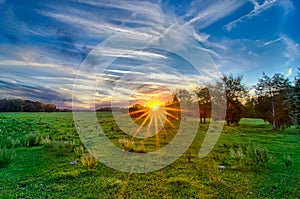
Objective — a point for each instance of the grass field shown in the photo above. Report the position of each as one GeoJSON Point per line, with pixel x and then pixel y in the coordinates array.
{"type": "Point", "coordinates": [249, 161]}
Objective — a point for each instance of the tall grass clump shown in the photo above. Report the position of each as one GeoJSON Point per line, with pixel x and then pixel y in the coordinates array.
{"type": "Point", "coordinates": [60, 147]}
{"type": "Point", "coordinates": [10, 142]}
{"type": "Point", "coordinates": [6, 156]}
{"type": "Point", "coordinates": [212, 172]}
{"type": "Point", "coordinates": [126, 144]}
{"type": "Point", "coordinates": [288, 161]}
{"type": "Point", "coordinates": [79, 151]}
{"type": "Point", "coordinates": [32, 139]}
{"type": "Point", "coordinates": [251, 155]}
{"type": "Point", "coordinates": [88, 161]}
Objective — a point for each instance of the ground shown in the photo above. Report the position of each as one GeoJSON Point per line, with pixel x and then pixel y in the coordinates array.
{"type": "Point", "coordinates": [43, 170]}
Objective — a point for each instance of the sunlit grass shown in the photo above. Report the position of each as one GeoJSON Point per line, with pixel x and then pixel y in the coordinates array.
{"type": "Point", "coordinates": [37, 172]}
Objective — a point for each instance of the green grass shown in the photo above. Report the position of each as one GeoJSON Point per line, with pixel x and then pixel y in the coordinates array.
{"type": "Point", "coordinates": [44, 171]}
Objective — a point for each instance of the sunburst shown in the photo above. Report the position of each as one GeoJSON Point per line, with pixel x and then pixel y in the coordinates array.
{"type": "Point", "coordinates": [156, 114]}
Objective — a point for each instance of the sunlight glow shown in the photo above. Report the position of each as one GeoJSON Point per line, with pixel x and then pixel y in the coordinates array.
{"type": "Point", "coordinates": [155, 114]}
{"type": "Point", "coordinates": [154, 105]}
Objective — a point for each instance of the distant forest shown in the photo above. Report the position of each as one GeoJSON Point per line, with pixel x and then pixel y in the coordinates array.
{"type": "Point", "coordinates": [19, 105]}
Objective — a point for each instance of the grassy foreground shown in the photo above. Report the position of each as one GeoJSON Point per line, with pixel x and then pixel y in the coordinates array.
{"type": "Point", "coordinates": [43, 146]}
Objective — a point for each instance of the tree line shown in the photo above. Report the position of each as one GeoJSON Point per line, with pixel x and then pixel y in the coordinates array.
{"type": "Point", "coordinates": [19, 105]}
{"type": "Point", "coordinates": [276, 99]}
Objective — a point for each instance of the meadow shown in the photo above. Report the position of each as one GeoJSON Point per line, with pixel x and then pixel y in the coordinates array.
{"type": "Point", "coordinates": [41, 156]}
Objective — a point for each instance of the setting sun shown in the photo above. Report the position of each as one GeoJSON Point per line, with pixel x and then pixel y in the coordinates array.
{"type": "Point", "coordinates": [154, 105]}
{"type": "Point", "coordinates": [154, 116]}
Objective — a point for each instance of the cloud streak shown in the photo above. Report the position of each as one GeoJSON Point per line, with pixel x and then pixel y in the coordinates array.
{"type": "Point", "coordinates": [256, 11]}
{"type": "Point", "coordinates": [212, 12]}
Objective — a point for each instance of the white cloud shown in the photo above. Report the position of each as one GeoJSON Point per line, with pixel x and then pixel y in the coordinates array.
{"type": "Point", "coordinates": [289, 72]}
{"type": "Point", "coordinates": [214, 12]}
{"type": "Point", "coordinates": [292, 51]}
{"type": "Point", "coordinates": [124, 72]}
{"type": "Point", "coordinates": [256, 11]}
{"type": "Point", "coordinates": [271, 42]}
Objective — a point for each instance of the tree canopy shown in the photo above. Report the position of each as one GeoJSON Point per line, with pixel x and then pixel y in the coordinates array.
{"type": "Point", "coordinates": [272, 100]}
{"type": "Point", "coordinates": [18, 105]}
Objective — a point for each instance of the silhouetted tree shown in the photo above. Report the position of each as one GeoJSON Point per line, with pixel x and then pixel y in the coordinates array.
{"type": "Point", "coordinates": [39, 106]}
{"type": "Point", "coordinates": [272, 93]}
{"type": "Point", "coordinates": [29, 107]}
{"type": "Point", "coordinates": [235, 92]}
{"type": "Point", "coordinates": [293, 99]}
{"type": "Point", "coordinates": [50, 107]}
{"type": "Point", "coordinates": [133, 110]}
{"type": "Point", "coordinates": [2, 103]}
{"type": "Point", "coordinates": [204, 102]}
{"type": "Point", "coordinates": [248, 109]}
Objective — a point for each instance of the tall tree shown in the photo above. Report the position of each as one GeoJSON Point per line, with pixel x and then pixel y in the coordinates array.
{"type": "Point", "coordinates": [204, 102]}
{"type": "Point", "coordinates": [181, 100]}
{"type": "Point", "coordinates": [50, 107]}
{"type": "Point", "coordinates": [294, 101]}
{"type": "Point", "coordinates": [271, 100]}
{"type": "Point", "coordinates": [249, 108]}
{"type": "Point", "coordinates": [235, 92]}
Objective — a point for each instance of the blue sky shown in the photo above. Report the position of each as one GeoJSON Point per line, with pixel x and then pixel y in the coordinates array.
{"type": "Point", "coordinates": [44, 43]}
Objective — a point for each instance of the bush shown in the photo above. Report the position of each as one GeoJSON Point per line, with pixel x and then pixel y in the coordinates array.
{"type": "Point", "coordinates": [6, 156]}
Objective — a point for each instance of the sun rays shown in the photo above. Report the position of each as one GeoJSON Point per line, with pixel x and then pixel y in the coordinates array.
{"type": "Point", "coordinates": [154, 116]}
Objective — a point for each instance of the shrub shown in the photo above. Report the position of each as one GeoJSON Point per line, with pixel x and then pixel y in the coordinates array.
{"type": "Point", "coordinates": [6, 156]}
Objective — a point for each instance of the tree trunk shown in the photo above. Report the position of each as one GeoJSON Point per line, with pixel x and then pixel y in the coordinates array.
{"type": "Point", "coordinates": [273, 115]}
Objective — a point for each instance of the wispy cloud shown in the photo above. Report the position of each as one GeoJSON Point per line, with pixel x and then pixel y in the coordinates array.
{"type": "Point", "coordinates": [213, 12]}
{"type": "Point", "coordinates": [11, 90]}
{"type": "Point", "coordinates": [256, 11]}
{"type": "Point", "coordinates": [292, 51]}
{"type": "Point", "coordinates": [271, 42]}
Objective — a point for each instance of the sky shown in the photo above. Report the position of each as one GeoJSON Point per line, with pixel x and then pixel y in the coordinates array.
{"type": "Point", "coordinates": [111, 51]}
